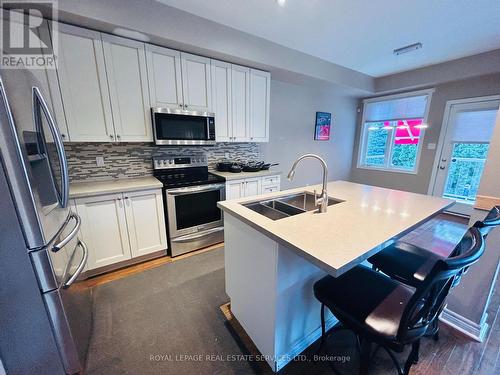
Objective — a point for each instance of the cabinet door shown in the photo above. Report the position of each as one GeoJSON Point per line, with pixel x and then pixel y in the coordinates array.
{"type": "Point", "coordinates": [164, 76]}
{"type": "Point", "coordinates": [252, 186]}
{"type": "Point", "coordinates": [221, 100]}
{"type": "Point", "coordinates": [196, 84]}
{"type": "Point", "coordinates": [145, 222]}
{"type": "Point", "coordinates": [235, 189]}
{"type": "Point", "coordinates": [240, 102]}
{"type": "Point", "coordinates": [104, 229]}
{"type": "Point", "coordinates": [128, 86]}
{"type": "Point", "coordinates": [260, 83]}
{"type": "Point", "coordinates": [84, 89]}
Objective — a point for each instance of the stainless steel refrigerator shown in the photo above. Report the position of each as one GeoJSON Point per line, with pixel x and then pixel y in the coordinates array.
{"type": "Point", "coordinates": [45, 312]}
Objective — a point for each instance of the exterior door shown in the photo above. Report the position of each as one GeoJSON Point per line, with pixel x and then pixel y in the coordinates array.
{"type": "Point", "coordinates": [468, 128]}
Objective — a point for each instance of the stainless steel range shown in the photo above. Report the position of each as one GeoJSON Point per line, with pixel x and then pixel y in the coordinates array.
{"type": "Point", "coordinates": [190, 196]}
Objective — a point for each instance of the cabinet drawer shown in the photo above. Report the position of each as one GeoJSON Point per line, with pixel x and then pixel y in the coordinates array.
{"type": "Point", "coordinates": [270, 189]}
{"type": "Point", "coordinates": [270, 180]}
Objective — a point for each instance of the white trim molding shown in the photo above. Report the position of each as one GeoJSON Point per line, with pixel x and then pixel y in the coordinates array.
{"type": "Point", "coordinates": [467, 327]}
{"type": "Point", "coordinates": [362, 140]}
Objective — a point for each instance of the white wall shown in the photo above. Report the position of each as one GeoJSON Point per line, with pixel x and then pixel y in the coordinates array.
{"type": "Point", "coordinates": [292, 118]}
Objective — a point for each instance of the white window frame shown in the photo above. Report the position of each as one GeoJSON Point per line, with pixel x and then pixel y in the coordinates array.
{"type": "Point", "coordinates": [363, 138]}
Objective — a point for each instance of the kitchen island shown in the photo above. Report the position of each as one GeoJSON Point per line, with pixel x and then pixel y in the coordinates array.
{"type": "Point", "coordinates": [272, 260]}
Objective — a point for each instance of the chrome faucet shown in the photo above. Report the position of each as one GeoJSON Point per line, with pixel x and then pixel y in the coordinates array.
{"type": "Point", "coordinates": [321, 201]}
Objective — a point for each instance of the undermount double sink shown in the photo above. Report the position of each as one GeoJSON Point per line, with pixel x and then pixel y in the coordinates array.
{"type": "Point", "coordinates": [287, 205]}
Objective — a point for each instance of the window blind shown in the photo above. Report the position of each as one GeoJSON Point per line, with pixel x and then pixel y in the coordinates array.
{"type": "Point", "coordinates": [396, 109]}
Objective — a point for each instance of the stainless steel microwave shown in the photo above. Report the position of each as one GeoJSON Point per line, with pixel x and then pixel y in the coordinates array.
{"type": "Point", "coordinates": [180, 127]}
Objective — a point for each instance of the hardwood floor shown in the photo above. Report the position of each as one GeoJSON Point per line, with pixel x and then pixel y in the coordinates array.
{"type": "Point", "coordinates": [454, 353]}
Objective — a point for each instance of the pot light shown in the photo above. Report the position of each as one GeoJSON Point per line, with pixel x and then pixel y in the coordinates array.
{"type": "Point", "coordinates": [281, 3]}
{"type": "Point", "coordinates": [408, 48]}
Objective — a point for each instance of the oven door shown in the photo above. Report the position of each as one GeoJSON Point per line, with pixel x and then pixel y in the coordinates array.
{"type": "Point", "coordinates": [194, 209]}
{"type": "Point", "coordinates": [177, 127]}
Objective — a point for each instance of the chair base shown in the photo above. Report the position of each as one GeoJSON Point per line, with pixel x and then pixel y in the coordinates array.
{"type": "Point", "coordinates": [365, 347]}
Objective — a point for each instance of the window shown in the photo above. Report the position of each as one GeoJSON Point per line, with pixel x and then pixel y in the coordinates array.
{"type": "Point", "coordinates": [393, 129]}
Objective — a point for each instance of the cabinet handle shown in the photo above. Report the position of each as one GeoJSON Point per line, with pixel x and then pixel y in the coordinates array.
{"type": "Point", "coordinates": [63, 135]}
{"type": "Point", "coordinates": [111, 137]}
{"type": "Point", "coordinates": [181, 105]}
{"type": "Point", "coordinates": [118, 137]}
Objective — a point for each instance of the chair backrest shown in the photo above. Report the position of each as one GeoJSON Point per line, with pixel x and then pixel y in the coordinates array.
{"type": "Point", "coordinates": [428, 299]}
{"type": "Point", "coordinates": [492, 220]}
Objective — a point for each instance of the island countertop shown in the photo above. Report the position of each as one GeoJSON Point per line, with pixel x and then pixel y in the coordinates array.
{"type": "Point", "coordinates": [368, 219]}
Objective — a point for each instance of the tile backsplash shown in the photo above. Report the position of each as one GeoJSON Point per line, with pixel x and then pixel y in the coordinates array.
{"type": "Point", "coordinates": [134, 159]}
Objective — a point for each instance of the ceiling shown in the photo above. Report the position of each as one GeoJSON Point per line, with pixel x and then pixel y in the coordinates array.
{"type": "Point", "coordinates": [361, 34]}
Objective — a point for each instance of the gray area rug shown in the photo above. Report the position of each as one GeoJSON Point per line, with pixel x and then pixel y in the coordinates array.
{"type": "Point", "coordinates": [165, 321]}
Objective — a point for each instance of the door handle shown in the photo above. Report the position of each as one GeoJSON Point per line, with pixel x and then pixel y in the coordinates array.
{"type": "Point", "coordinates": [39, 101]}
{"type": "Point", "coordinates": [442, 167]}
{"type": "Point", "coordinates": [71, 235]}
{"type": "Point", "coordinates": [80, 267]}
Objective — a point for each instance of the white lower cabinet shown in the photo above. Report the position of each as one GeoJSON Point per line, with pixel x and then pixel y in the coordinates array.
{"type": "Point", "coordinates": [252, 186]}
{"type": "Point", "coordinates": [119, 227]}
{"type": "Point", "coordinates": [145, 221]}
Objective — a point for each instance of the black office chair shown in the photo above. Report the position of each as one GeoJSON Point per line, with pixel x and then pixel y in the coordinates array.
{"type": "Point", "coordinates": [410, 264]}
{"type": "Point", "coordinates": [383, 311]}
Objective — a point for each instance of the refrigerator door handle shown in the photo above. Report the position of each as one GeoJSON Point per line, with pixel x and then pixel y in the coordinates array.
{"type": "Point", "coordinates": [58, 141]}
{"type": "Point", "coordinates": [78, 222]}
{"type": "Point", "coordinates": [80, 267]}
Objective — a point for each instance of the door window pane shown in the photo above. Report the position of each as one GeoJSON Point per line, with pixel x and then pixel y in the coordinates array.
{"type": "Point", "coordinates": [465, 170]}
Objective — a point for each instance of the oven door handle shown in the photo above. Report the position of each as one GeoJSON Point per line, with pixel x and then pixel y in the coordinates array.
{"type": "Point", "coordinates": [189, 190]}
{"type": "Point", "coordinates": [190, 237]}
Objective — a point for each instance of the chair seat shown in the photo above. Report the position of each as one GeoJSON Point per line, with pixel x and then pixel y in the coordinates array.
{"type": "Point", "coordinates": [365, 299]}
{"type": "Point", "coordinates": [405, 262]}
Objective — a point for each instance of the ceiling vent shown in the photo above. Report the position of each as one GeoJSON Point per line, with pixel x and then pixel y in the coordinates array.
{"type": "Point", "coordinates": [408, 48]}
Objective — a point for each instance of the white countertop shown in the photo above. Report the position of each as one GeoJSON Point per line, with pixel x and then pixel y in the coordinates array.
{"type": "Point", "coordinates": [84, 189]}
{"type": "Point", "coordinates": [238, 176]}
{"type": "Point", "coordinates": [369, 219]}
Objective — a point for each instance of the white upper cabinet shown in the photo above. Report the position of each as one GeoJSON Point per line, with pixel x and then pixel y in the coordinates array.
{"type": "Point", "coordinates": [221, 100]}
{"type": "Point", "coordinates": [240, 88]}
{"type": "Point", "coordinates": [128, 86]}
{"type": "Point", "coordinates": [84, 89]}
{"type": "Point", "coordinates": [196, 83]}
{"type": "Point", "coordinates": [164, 76]}
{"type": "Point", "coordinates": [260, 83]}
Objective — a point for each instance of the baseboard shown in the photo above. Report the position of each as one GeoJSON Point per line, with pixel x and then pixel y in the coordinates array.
{"type": "Point", "coordinates": [301, 345]}
{"type": "Point", "coordinates": [464, 325]}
